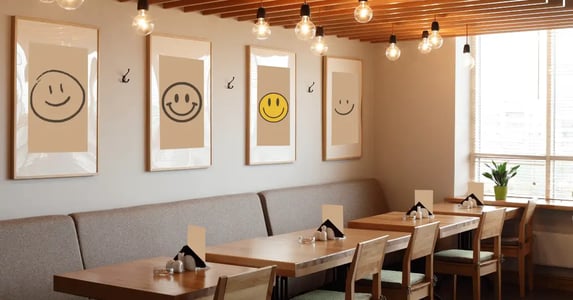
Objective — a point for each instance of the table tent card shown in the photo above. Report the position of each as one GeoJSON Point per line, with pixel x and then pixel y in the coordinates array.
{"type": "Point", "coordinates": [476, 188]}
{"type": "Point", "coordinates": [193, 254]}
{"type": "Point", "coordinates": [426, 197]}
{"type": "Point", "coordinates": [333, 221]}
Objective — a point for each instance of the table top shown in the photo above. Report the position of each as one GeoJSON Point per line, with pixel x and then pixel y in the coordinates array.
{"type": "Point", "coordinates": [565, 205]}
{"type": "Point", "coordinates": [457, 210]}
{"type": "Point", "coordinates": [135, 280]}
{"type": "Point", "coordinates": [294, 259]}
{"type": "Point", "coordinates": [449, 224]}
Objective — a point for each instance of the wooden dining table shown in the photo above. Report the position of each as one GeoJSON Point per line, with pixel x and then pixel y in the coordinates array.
{"type": "Point", "coordinates": [136, 280]}
{"type": "Point", "coordinates": [456, 209]}
{"type": "Point", "coordinates": [397, 221]}
{"type": "Point", "coordinates": [296, 259]}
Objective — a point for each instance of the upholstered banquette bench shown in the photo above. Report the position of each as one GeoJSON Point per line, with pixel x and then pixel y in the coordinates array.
{"type": "Point", "coordinates": [34, 249]}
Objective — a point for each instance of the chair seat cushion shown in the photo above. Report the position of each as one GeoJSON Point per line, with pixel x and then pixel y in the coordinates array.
{"type": "Point", "coordinates": [393, 279]}
{"type": "Point", "coordinates": [329, 295]}
{"type": "Point", "coordinates": [510, 241]}
{"type": "Point", "coordinates": [462, 256]}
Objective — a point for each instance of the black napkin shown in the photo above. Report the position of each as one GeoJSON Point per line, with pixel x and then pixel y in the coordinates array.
{"type": "Point", "coordinates": [472, 196]}
{"type": "Point", "coordinates": [199, 263]}
{"type": "Point", "coordinates": [329, 224]}
{"type": "Point", "coordinates": [415, 208]}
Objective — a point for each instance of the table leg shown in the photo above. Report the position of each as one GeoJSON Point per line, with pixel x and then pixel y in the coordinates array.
{"type": "Point", "coordinates": [280, 292]}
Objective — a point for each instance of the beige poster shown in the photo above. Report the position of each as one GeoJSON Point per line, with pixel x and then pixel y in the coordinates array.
{"type": "Point", "coordinates": [181, 120]}
{"type": "Point", "coordinates": [57, 118]}
{"type": "Point", "coordinates": [273, 122]}
{"type": "Point", "coordinates": [345, 108]}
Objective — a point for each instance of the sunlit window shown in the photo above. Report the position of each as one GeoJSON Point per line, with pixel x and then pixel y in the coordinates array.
{"type": "Point", "coordinates": [523, 110]}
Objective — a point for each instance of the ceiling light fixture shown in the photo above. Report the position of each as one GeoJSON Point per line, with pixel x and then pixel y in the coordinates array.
{"type": "Point", "coordinates": [425, 46]}
{"type": "Point", "coordinates": [305, 29]}
{"type": "Point", "coordinates": [435, 38]}
{"type": "Point", "coordinates": [47, 1]}
{"type": "Point", "coordinates": [468, 59]}
{"type": "Point", "coordinates": [261, 29]}
{"type": "Point", "coordinates": [319, 46]}
{"type": "Point", "coordinates": [393, 51]}
{"type": "Point", "coordinates": [363, 12]}
{"type": "Point", "coordinates": [142, 23]}
{"type": "Point", "coordinates": [70, 4]}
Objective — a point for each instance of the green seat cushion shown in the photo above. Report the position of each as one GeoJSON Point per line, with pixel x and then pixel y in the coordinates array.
{"type": "Point", "coordinates": [462, 256]}
{"type": "Point", "coordinates": [329, 295]}
{"type": "Point", "coordinates": [393, 279]}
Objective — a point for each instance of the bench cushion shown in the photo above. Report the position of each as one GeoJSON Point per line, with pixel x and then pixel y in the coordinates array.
{"type": "Point", "coordinates": [32, 251]}
{"type": "Point", "coordinates": [125, 234]}
{"type": "Point", "coordinates": [298, 208]}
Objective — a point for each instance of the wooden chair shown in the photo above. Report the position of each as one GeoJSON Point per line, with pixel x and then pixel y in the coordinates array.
{"type": "Point", "coordinates": [520, 247]}
{"type": "Point", "coordinates": [408, 285]}
{"type": "Point", "coordinates": [367, 261]}
{"type": "Point", "coordinates": [476, 263]}
{"type": "Point", "coordinates": [257, 284]}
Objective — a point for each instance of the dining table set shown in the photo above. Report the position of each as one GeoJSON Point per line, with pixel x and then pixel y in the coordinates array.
{"type": "Point", "coordinates": [295, 254]}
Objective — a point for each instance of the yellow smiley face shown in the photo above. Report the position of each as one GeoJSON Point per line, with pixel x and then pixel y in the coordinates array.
{"type": "Point", "coordinates": [273, 107]}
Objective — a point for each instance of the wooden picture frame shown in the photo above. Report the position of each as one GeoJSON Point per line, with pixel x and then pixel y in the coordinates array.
{"type": "Point", "coordinates": [342, 108]}
{"type": "Point", "coordinates": [179, 111]}
{"type": "Point", "coordinates": [271, 108]}
{"type": "Point", "coordinates": [55, 91]}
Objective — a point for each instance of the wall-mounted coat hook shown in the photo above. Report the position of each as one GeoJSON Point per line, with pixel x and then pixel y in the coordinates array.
{"type": "Point", "coordinates": [310, 90]}
{"type": "Point", "coordinates": [229, 86]}
{"type": "Point", "coordinates": [124, 78]}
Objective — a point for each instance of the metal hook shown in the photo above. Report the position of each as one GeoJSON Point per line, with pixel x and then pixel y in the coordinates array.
{"type": "Point", "coordinates": [124, 78]}
{"type": "Point", "coordinates": [310, 90]}
{"type": "Point", "coordinates": [229, 86]}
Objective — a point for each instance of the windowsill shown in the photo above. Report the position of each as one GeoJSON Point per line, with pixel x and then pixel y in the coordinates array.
{"type": "Point", "coordinates": [564, 205]}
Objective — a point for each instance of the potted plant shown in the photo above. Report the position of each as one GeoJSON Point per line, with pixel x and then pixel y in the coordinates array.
{"type": "Point", "coordinates": [500, 176]}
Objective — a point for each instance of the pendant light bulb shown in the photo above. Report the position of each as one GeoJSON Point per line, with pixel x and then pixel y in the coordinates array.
{"type": "Point", "coordinates": [305, 29]}
{"type": "Point", "coordinates": [435, 38]}
{"type": "Point", "coordinates": [468, 59]}
{"type": "Point", "coordinates": [69, 4]}
{"type": "Point", "coordinates": [393, 51]}
{"type": "Point", "coordinates": [261, 30]}
{"type": "Point", "coordinates": [142, 23]}
{"type": "Point", "coordinates": [363, 13]}
{"type": "Point", "coordinates": [425, 46]}
{"type": "Point", "coordinates": [319, 46]}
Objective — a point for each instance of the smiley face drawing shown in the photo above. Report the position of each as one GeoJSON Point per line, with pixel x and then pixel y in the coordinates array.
{"type": "Point", "coordinates": [181, 102]}
{"type": "Point", "coordinates": [273, 107]}
{"type": "Point", "coordinates": [344, 107]}
{"type": "Point", "coordinates": [57, 96]}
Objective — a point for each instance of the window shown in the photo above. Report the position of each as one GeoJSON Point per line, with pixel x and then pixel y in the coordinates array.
{"type": "Point", "coordinates": [523, 110]}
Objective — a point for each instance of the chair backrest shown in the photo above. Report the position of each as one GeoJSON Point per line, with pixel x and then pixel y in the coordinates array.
{"type": "Point", "coordinates": [422, 244]}
{"type": "Point", "coordinates": [257, 284]}
{"type": "Point", "coordinates": [525, 222]}
{"type": "Point", "coordinates": [491, 224]}
{"type": "Point", "coordinates": [368, 259]}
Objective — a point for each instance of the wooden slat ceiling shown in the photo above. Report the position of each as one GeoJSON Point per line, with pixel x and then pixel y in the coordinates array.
{"type": "Point", "coordinates": [406, 18]}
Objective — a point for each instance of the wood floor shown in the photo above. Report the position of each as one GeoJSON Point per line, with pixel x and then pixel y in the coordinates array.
{"type": "Point", "coordinates": [509, 291]}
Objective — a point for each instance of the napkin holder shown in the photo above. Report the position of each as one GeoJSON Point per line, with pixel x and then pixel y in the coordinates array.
{"type": "Point", "coordinates": [328, 229]}
{"type": "Point", "coordinates": [419, 209]}
{"type": "Point", "coordinates": [471, 199]}
{"type": "Point", "coordinates": [190, 259]}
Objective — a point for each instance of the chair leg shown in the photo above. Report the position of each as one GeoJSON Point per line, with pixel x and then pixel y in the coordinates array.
{"type": "Point", "coordinates": [476, 280]}
{"type": "Point", "coordinates": [529, 261]}
{"type": "Point", "coordinates": [455, 285]}
{"type": "Point", "coordinates": [521, 274]}
{"type": "Point", "coordinates": [497, 282]}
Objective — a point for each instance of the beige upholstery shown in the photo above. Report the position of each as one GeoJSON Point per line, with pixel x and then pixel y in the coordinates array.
{"type": "Point", "coordinates": [360, 198]}
{"type": "Point", "coordinates": [32, 250]}
{"type": "Point", "coordinates": [125, 234]}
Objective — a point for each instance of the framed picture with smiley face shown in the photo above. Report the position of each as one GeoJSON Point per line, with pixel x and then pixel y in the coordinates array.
{"type": "Point", "coordinates": [271, 109]}
{"type": "Point", "coordinates": [55, 99]}
{"type": "Point", "coordinates": [342, 108]}
{"type": "Point", "coordinates": [179, 108]}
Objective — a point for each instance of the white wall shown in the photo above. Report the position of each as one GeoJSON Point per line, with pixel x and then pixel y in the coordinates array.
{"type": "Point", "coordinates": [415, 122]}
{"type": "Point", "coordinates": [122, 179]}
